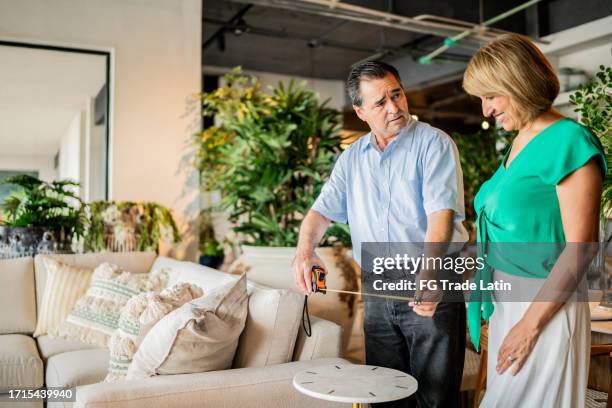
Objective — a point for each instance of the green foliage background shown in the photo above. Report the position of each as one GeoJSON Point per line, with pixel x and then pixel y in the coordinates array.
{"type": "Point", "coordinates": [269, 155]}
{"type": "Point", "coordinates": [480, 155]}
{"type": "Point", "coordinates": [594, 103]}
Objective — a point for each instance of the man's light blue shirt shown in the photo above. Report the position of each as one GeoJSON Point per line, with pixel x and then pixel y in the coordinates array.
{"type": "Point", "coordinates": [387, 196]}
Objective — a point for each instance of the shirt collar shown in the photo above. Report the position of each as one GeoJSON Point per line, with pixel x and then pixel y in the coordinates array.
{"type": "Point", "coordinates": [370, 139]}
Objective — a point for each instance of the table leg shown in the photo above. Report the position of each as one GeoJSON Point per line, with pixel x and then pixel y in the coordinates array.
{"type": "Point", "coordinates": [356, 404]}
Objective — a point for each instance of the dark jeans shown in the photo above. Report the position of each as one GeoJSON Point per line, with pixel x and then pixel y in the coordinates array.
{"type": "Point", "coordinates": [431, 349]}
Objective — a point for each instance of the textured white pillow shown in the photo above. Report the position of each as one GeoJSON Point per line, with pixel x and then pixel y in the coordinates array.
{"type": "Point", "coordinates": [201, 335]}
{"type": "Point", "coordinates": [138, 316]}
{"type": "Point", "coordinates": [95, 316]}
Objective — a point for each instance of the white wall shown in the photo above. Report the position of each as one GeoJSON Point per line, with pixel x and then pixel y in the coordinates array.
{"type": "Point", "coordinates": [156, 47]}
{"type": "Point", "coordinates": [588, 59]}
{"type": "Point", "coordinates": [70, 150]}
{"type": "Point", "coordinates": [326, 88]}
{"type": "Point", "coordinates": [42, 164]}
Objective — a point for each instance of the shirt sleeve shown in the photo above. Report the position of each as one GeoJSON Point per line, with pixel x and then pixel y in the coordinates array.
{"type": "Point", "coordinates": [573, 149]}
{"type": "Point", "coordinates": [442, 177]}
{"type": "Point", "coordinates": [331, 203]}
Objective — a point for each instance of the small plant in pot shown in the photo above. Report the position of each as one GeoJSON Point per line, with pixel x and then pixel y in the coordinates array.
{"type": "Point", "coordinates": [41, 217]}
{"type": "Point", "coordinates": [211, 250]}
{"type": "Point", "coordinates": [120, 226]}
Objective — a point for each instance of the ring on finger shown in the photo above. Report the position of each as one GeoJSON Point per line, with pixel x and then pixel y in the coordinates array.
{"type": "Point", "coordinates": [511, 359]}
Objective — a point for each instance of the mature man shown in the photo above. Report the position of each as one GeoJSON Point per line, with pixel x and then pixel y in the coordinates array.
{"type": "Point", "coordinates": [402, 182]}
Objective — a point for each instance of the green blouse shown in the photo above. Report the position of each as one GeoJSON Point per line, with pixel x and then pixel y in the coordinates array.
{"type": "Point", "coordinates": [519, 204]}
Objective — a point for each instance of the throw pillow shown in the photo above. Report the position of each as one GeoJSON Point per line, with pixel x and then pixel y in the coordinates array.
{"type": "Point", "coordinates": [138, 316]}
{"type": "Point", "coordinates": [65, 285]}
{"type": "Point", "coordinates": [96, 314]}
{"type": "Point", "coordinates": [201, 335]}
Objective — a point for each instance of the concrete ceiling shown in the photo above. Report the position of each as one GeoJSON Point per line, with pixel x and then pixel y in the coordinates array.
{"type": "Point", "coordinates": [292, 42]}
{"type": "Point", "coordinates": [41, 91]}
{"type": "Point", "coordinates": [297, 43]}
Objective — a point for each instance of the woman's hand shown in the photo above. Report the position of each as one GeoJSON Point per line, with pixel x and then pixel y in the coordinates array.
{"type": "Point", "coordinates": [517, 346]}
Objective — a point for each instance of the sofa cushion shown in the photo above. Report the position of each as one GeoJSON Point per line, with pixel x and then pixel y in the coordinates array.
{"type": "Point", "coordinates": [49, 347]}
{"type": "Point", "coordinates": [137, 262]}
{"type": "Point", "coordinates": [17, 302]}
{"type": "Point", "coordinates": [271, 328]}
{"type": "Point", "coordinates": [76, 368]}
{"type": "Point", "coordinates": [202, 335]}
{"type": "Point", "coordinates": [65, 285]}
{"type": "Point", "coordinates": [20, 365]}
{"type": "Point", "coordinates": [273, 320]}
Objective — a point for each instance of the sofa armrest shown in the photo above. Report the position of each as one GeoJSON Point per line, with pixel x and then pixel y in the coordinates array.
{"type": "Point", "coordinates": [325, 340]}
{"type": "Point", "coordinates": [270, 386]}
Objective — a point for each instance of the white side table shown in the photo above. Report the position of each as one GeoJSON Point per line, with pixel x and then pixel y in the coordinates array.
{"type": "Point", "coordinates": [355, 383]}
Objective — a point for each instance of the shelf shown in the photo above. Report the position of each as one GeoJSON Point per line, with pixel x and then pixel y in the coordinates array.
{"type": "Point", "coordinates": [567, 41]}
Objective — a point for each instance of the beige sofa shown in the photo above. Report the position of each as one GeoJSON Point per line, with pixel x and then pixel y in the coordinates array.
{"type": "Point", "coordinates": [271, 323]}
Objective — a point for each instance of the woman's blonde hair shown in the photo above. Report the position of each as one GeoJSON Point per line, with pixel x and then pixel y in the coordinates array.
{"type": "Point", "coordinates": [511, 65]}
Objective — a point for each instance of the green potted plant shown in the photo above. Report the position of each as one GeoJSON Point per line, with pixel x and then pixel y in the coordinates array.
{"type": "Point", "coordinates": [211, 250]}
{"type": "Point", "coordinates": [594, 104]}
{"type": "Point", "coordinates": [128, 226]}
{"type": "Point", "coordinates": [41, 217]}
{"type": "Point", "coordinates": [269, 156]}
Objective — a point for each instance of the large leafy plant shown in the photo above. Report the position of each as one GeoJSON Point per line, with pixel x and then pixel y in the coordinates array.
{"type": "Point", "coordinates": [269, 156]}
{"type": "Point", "coordinates": [594, 103]}
{"type": "Point", "coordinates": [53, 205]}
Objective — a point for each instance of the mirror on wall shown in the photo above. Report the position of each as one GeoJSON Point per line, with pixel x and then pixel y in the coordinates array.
{"type": "Point", "coordinates": [54, 115]}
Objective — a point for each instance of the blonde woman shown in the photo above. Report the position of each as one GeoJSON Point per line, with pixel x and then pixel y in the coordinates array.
{"type": "Point", "coordinates": [546, 190]}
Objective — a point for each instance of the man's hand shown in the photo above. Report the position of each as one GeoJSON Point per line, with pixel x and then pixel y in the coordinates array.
{"type": "Point", "coordinates": [439, 233]}
{"type": "Point", "coordinates": [425, 309]}
{"type": "Point", "coordinates": [427, 303]}
{"type": "Point", "coordinates": [311, 231]}
{"type": "Point", "coordinates": [301, 268]}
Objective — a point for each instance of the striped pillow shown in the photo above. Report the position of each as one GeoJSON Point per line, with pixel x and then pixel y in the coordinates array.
{"type": "Point", "coordinates": [65, 285]}
{"type": "Point", "coordinates": [96, 314]}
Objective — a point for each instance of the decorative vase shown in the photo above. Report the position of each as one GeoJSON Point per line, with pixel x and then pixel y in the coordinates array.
{"type": "Point", "coordinates": [17, 242]}
{"type": "Point", "coordinates": [271, 266]}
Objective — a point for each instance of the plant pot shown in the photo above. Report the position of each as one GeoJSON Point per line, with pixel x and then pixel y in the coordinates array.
{"type": "Point", "coordinates": [29, 241]}
{"type": "Point", "coordinates": [211, 261]}
{"type": "Point", "coordinates": [271, 266]}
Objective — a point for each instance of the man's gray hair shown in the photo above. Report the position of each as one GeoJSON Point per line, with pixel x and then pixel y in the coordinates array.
{"type": "Point", "coordinates": [367, 70]}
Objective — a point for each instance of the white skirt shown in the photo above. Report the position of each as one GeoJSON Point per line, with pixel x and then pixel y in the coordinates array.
{"type": "Point", "coordinates": [555, 373]}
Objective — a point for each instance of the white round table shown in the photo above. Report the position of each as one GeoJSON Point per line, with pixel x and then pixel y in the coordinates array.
{"type": "Point", "coordinates": [355, 383]}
